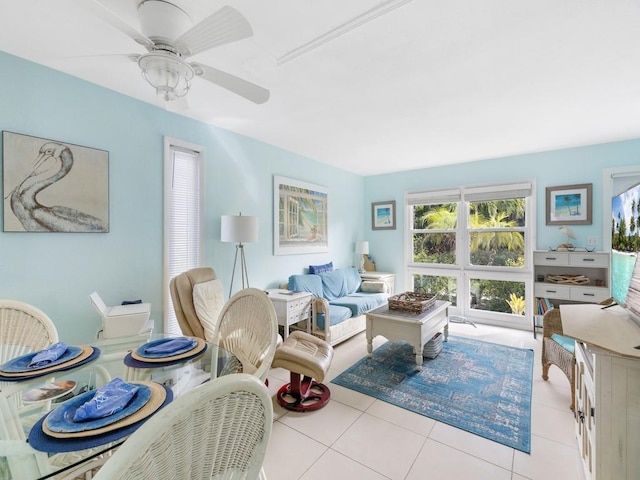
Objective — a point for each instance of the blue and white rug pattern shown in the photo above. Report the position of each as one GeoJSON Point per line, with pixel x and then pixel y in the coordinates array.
{"type": "Point", "coordinates": [481, 387]}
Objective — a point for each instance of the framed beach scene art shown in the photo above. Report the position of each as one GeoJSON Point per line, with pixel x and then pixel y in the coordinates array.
{"type": "Point", "coordinates": [300, 217]}
{"type": "Point", "coordinates": [569, 204]}
{"type": "Point", "coordinates": [383, 215]}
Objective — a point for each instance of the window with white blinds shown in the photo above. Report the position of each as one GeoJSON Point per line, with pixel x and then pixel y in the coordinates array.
{"type": "Point", "coordinates": [183, 217]}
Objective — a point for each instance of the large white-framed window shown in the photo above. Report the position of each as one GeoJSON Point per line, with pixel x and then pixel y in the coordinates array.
{"type": "Point", "coordinates": [183, 213]}
{"type": "Point", "coordinates": [473, 246]}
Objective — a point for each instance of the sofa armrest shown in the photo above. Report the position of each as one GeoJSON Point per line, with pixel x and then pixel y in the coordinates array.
{"type": "Point", "coordinates": [321, 305]}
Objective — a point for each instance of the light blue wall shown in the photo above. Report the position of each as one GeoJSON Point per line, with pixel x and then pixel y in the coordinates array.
{"type": "Point", "coordinates": [554, 168]}
{"type": "Point", "coordinates": [56, 272]}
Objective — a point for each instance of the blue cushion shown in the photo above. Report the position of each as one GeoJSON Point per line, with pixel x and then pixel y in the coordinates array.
{"type": "Point", "coordinates": [315, 269]}
{"type": "Point", "coordinates": [360, 303]}
{"type": "Point", "coordinates": [353, 279]}
{"type": "Point", "coordinates": [337, 314]}
{"type": "Point", "coordinates": [306, 283]}
{"type": "Point", "coordinates": [569, 344]}
{"type": "Point", "coordinates": [334, 284]}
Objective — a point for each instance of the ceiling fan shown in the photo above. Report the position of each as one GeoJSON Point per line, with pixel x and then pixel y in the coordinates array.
{"type": "Point", "coordinates": [170, 37]}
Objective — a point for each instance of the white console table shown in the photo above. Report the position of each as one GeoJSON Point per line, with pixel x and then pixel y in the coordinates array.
{"type": "Point", "coordinates": [607, 389]}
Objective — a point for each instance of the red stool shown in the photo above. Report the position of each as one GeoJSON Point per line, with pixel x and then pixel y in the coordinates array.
{"type": "Point", "coordinates": [307, 358]}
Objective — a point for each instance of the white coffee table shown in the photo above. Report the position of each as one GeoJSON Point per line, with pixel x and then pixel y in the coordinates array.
{"type": "Point", "coordinates": [417, 329]}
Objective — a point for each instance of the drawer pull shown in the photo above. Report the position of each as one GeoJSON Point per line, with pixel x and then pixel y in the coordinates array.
{"type": "Point", "coordinates": [588, 259]}
{"type": "Point", "coordinates": [588, 295]}
{"type": "Point", "coordinates": [550, 258]}
{"type": "Point", "coordinates": [551, 291]}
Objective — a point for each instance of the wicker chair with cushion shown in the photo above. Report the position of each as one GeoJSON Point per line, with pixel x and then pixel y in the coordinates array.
{"type": "Point", "coordinates": [557, 350]}
{"type": "Point", "coordinates": [248, 328]}
{"type": "Point", "coordinates": [197, 301]}
{"type": "Point", "coordinates": [219, 430]}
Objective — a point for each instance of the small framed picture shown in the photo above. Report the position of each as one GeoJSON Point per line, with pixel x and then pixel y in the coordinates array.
{"type": "Point", "coordinates": [383, 215]}
{"type": "Point", "coordinates": [569, 204]}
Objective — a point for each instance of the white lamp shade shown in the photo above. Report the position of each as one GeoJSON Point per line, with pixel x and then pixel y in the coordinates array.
{"type": "Point", "coordinates": [239, 229]}
{"type": "Point", "coordinates": [362, 248]}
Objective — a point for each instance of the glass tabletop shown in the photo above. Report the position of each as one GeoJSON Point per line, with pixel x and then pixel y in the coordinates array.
{"type": "Point", "coordinates": [46, 456]}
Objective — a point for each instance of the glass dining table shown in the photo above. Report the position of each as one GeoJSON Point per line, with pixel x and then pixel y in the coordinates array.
{"type": "Point", "coordinates": [31, 450]}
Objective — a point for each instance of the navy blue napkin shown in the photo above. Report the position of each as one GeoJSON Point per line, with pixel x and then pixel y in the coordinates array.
{"type": "Point", "coordinates": [108, 399]}
{"type": "Point", "coordinates": [172, 346]}
{"type": "Point", "coordinates": [48, 355]}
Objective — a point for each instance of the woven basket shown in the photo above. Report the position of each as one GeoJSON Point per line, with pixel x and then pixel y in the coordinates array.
{"type": "Point", "coordinates": [414, 302]}
{"type": "Point", "coordinates": [433, 347]}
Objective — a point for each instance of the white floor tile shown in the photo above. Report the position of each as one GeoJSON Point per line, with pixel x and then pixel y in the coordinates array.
{"type": "Point", "coordinates": [548, 459]}
{"type": "Point", "coordinates": [290, 453]}
{"type": "Point", "coordinates": [553, 424]}
{"type": "Point", "coordinates": [335, 466]}
{"type": "Point", "coordinates": [441, 461]}
{"type": "Point", "coordinates": [324, 425]}
{"type": "Point", "coordinates": [381, 446]}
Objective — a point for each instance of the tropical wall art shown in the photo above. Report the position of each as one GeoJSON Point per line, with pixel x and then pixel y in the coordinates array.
{"type": "Point", "coordinates": [383, 215]}
{"type": "Point", "coordinates": [569, 204]}
{"type": "Point", "coordinates": [53, 186]}
{"type": "Point", "coordinates": [300, 217]}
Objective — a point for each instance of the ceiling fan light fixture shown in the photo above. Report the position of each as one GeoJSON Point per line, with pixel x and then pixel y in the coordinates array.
{"type": "Point", "coordinates": [167, 73]}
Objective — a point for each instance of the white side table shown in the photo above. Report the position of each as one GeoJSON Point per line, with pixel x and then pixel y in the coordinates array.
{"type": "Point", "coordinates": [291, 307]}
{"type": "Point", "coordinates": [388, 278]}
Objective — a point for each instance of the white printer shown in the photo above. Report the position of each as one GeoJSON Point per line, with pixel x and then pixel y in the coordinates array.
{"type": "Point", "coordinates": [121, 320]}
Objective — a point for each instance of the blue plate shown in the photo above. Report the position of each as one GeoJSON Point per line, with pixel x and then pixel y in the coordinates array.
{"type": "Point", "coordinates": [21, 364]}
{"type": "Point", "coordinates": [141, 350]}
{"type": "Point", "coordinates": [61, 419]}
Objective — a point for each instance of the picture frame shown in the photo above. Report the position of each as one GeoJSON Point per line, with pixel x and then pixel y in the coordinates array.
{"type": "Point", "coordinates": [53, 186]}
{"type": "Point", "coordinates": [383, 215]}
{"type": "Point", "coordinates": [300, 217]}
{"type": "Point", "coordinates": [569, 204]}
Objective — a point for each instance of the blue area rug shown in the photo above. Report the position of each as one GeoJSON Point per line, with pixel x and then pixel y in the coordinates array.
{"type": "Point", "coordinates": [483, 388]}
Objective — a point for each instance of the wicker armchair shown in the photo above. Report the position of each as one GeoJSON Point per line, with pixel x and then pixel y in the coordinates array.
{"type": "Point", "coordinates": [554, 354]}
{"type": "Point", "coordinates": [219, 430]}
{"type": "Point", "coordinates": [248, 328]}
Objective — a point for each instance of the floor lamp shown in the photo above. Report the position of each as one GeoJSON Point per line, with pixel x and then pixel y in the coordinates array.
{"type": "Point", "coordinates": [239, 229]}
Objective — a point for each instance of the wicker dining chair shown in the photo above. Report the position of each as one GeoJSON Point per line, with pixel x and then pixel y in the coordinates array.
{"type": "Point", "coordinates": [555, 354]}
{"type": "Point", "coordinates": [218, 431]}
{"type": "Point", "coordinates": [248, 328]}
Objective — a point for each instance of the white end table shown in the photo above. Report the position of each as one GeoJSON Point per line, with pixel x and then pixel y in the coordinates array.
{"type": "Point", "coordinates": [291, 307]}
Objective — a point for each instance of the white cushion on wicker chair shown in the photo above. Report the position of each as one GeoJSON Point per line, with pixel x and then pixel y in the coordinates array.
{"type": "Point", "coordinates": [208, 300]}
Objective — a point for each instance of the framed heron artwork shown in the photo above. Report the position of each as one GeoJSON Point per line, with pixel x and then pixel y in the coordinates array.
{"type": "Point", "coordinates": [53, 186]}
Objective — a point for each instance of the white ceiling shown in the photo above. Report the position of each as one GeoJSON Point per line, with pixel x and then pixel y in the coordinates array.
{"type": "Point", "coordinates": [432, 82]}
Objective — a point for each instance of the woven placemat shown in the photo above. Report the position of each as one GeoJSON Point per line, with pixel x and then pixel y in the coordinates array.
{"type": "Point", "coordinates": [87, 351]}
{"type": "Point", "coordinates": [158, 395]}
{"type": "Point", "coordinates": [200, 345]}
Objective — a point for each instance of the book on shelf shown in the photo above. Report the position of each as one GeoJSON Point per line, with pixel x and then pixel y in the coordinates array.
{"type": "Point", "coordinates": [544, 305]}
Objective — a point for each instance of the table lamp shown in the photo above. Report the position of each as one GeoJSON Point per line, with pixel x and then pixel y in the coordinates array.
{"type": "Point", "coordinates": [239, 229]}
{"type": "Point", "coordinates": [362, 248]}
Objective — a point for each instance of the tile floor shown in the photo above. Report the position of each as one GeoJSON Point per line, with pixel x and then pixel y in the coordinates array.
{"type": "Point", "coordinates": [358, 437]}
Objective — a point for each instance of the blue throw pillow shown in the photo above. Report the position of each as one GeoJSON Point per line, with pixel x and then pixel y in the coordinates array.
{"type": "Point", "coordinates": [315, 269]}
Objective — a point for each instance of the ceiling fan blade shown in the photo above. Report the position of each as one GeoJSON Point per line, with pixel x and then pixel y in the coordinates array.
{"type": "Point", "coordinates": [116, 22]}
{"type": "Point", "coordinates": [234, 84]}
{"type": "Point", "coordinates": [227, 25]}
